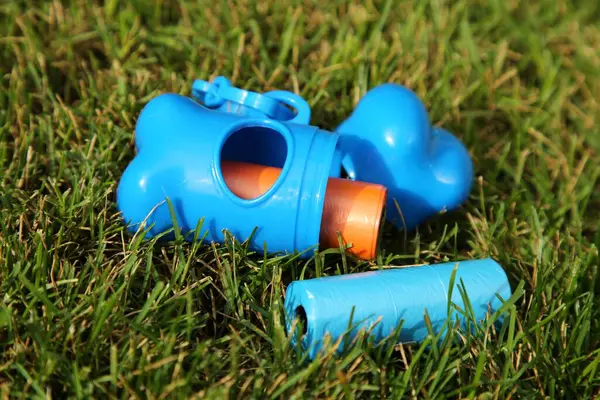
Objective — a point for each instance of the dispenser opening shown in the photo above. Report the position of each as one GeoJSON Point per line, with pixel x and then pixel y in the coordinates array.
{"type": "Point", "coordinates": [252, 158]}
{"type": "Point", "coordinates": [302, 320]}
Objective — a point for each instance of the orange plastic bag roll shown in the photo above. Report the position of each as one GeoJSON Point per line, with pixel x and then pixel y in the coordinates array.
{"type": "Point", "coordinates": [352, 208]}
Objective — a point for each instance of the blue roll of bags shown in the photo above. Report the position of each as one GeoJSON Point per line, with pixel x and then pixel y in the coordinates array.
{"type": "Point", "coordinates": [379, 301]}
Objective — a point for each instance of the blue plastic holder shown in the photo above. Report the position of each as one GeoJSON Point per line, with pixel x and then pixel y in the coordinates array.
{"type": "Point", "coordinates": [380, 301]}
{"type": "Point", "coordinates": [389, 140]}
{"type": "Point", "coordinates": [180, 146]}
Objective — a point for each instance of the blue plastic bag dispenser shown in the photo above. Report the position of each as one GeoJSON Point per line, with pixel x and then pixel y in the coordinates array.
{"type": "Point", "coordinates": [180, 144]}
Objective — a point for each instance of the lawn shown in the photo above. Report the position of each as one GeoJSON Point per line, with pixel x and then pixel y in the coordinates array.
{"type": "Point", "coordinates": [87, 310]}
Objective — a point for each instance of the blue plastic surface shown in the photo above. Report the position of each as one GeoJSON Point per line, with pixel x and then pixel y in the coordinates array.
{"type": "Point", "coordinates": [391, 296]}
{"type": "Point", "coordinates": [279, 105]}
{"type": "Point", "coordinates": [180, 145]}
{"type": "Point", "coordinates": [389, 140]}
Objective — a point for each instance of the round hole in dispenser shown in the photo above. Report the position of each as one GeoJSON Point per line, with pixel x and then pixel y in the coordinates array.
{"type": "Point", "coordinates": [252, 159]}
{"type": "Point", "coordinates": [302, 319]}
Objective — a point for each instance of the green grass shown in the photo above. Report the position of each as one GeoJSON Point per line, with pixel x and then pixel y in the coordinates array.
{"type": "Point", "coordinates": [86, 310]}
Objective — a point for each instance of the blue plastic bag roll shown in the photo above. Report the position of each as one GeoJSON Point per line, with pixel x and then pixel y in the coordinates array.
{"type": "Point", "coordinates": [381, 300]}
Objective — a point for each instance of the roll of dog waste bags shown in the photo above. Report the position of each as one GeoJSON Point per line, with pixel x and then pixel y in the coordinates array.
{"type": "Point", "coordinates": [378, 301]}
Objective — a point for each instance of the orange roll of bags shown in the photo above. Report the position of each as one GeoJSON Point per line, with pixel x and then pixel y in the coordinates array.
{"type": "Point", "coordinates": [352, 208]}
{"type": "Point", "coordinates": [355, 210]}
